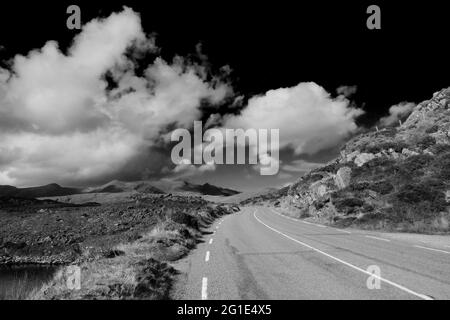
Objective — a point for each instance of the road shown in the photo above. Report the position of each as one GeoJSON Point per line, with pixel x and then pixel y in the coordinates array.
{"type": "Point", "coordinates": [261, 254]}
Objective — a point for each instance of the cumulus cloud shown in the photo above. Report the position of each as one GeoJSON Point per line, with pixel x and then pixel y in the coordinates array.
{"type": "Point", "coordinates": [58, 120]}
{"type": "Point", "coordinates": [309, 119]}
{"type": "Point", "coordinates": [346, 91]}
{"type": "Point", "coordinates": [185, 169]}
{"type": "Point", "coordinates": [398, 112]}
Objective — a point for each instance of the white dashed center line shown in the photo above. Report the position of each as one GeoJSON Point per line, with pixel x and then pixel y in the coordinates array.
{"type": "Point", "coordinates": [205, 289]}
{"type": "Point", "coordinates": [207, 256]}
{"type": "Point", "coordinates": [376, 238]}
{"type": "Point", "coordinates": [211, 241]}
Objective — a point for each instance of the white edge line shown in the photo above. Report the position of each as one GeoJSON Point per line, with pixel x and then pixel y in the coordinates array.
{"type": "Point", "coordinates": [306, 222]}
{"type": "Point", "coordinates": [398, 286]}
{"type": "Point", "coordinates": [205, 289]}
{"type": "Point", "coordinates": [319, 225]}
{"type": "Point", "coordinates": [343, 231]}
{"type": "Point", "coordinates": [207, 256]}
{"type": "Point", "coordinates": [437, 250]}
{"type": "Point", "coordinates": [376, 238]}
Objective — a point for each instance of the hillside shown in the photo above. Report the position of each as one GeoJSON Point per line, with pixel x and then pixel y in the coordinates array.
{"type": "Point", "coordinates": [392, 179]}
{"type": "Point", "coordinates": [51, 190]}
{"type": "Point", "coordinates": [120, 186]}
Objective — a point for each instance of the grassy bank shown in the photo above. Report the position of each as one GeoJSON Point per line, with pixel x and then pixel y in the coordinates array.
{"type": "Point", "coordinates": [139, 269]}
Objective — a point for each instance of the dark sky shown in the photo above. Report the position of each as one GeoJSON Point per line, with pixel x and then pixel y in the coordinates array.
{"type": "Point", "coordinates": [271, 46]}
{"type": "Point", "coordinates": [278, 44]}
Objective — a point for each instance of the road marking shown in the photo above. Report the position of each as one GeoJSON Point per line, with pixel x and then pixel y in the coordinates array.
{"type": "Point", "coordinates": [207, 256]}
{"type": "Point", "coordinates": [426, 248]}
{"type": "Point", "coordinates": [211, 241]}
{"type": "Point", "coordinates": [298, 220]}
{"type": "Point", "coordinates": [376, 238]}
{"type": "Point", "coordinates": [205, 289]}
{"type": "Point", "coordinates": [319, 225]}
{"type": "Point", "coordinates": [344, 231]}
{"type": "Point", "coordinates": [424, 297]}
{"type": "Point", "coordinates": [306, 222]}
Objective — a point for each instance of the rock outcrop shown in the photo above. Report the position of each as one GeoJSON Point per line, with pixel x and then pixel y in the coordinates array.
{"type": "Point", "coordinates": [394, 178]}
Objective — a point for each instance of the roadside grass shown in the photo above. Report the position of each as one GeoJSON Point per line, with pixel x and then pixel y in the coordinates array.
{"type": "Point", "coordinates": [135, 270]}
{"type": "Point", "coordinates": [399, 195]}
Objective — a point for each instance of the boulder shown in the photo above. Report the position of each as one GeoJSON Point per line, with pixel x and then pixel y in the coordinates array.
{"type": "Point", "coordinates": [409, 153]}
{"type": "Point", "coordinates": [318, 190]}
{"type": "Point", "coordinates": [350, 157]}
{"type": "Point", "coordinates": [343, 177]}
{"type": "Point", "coordinates": [363, 158]}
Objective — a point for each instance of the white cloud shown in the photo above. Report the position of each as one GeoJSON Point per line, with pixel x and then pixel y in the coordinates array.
{"type": "Point", "coordinates": [346, 91]}
{"type": "Point", "coordinates": [186, 169]}
{"type": "Point", "coordinates": [58, 121]}
{"type": "Point", "coordinates": [308, 118]}
{"type": "Point", "coordinates": [398, 112]}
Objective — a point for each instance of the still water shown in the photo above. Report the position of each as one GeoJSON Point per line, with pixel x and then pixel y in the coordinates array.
{"type": "Point", "coordinates": [18, 282]}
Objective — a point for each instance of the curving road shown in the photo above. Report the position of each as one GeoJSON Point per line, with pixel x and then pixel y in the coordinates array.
{"type": "Point", "coordinates": [260, 254]}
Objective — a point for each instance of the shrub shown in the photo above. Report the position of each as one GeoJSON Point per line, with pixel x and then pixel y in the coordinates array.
{"type": "Point", "coordinates": [359, 187]}
{"type": "Point", "coordinates": [377, 169]}
{"type": "Point", "coordinates": [420, 193]}
{"type": "Point", "coordinates": [440, 148]}
{"type": "Point", "coordinates": [371, 218]}
{"type": "Point", "coordinates": [432, 129]}
{"type": "Point", "coordinates": [426, 142]}
{"type": "Point", "coordinates": [397, 146]}
{"type": "Point", "coordinates": [423, 212]}
{"type": "Point", "coordinates": [440, 167]}
{"type": "Point", "coordinates": [381, 187]}
{"type": "Point", "coordinates": [413, 166]}
{"type": "Point", "coordinates": [348, 205]}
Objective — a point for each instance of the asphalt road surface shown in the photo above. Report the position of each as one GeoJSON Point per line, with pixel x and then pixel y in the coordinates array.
{"type": "Point", "coordinates": [260, 254]}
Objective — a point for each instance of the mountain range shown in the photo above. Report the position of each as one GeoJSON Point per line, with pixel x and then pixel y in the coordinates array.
{"type": "Point", "coordinates": [151, 187]}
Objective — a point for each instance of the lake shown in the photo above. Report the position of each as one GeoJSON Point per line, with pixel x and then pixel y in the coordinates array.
{"type": "Point", "coordinates": [17, 282]}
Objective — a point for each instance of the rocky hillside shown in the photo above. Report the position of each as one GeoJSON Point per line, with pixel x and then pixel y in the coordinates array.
{"type": "Point", "coordinates": [393, 179]}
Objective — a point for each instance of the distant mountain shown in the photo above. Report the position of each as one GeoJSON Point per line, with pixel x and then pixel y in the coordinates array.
{"type": "Point", "coordinates": [208, 189]}
{"type": "Point", "coordinates": [116, 186]}
{"type": "Point", "coordinates": [162, 186]}
{"type": "Point", "coordinates": [51, 190]}
{"type": "Point", "coordinates": [149, 187]}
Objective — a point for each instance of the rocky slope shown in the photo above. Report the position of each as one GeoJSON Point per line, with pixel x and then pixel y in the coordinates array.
{"type": "Point", "coordinates": [55, 233]}
{"type": "Point", "coordinates": [129, 254]}
{"type": "Point", "coordinates": [392, 179]}
{"type": "Point", "coordinates": [123, 248]}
